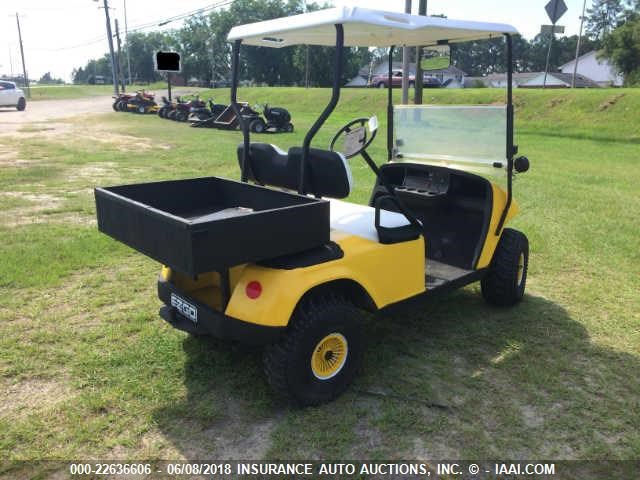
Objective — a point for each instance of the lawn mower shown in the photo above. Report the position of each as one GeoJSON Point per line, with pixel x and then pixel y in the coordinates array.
{"type": "Point", "coordinates": [142, 102]}
{"type": "Point", "coordinates": [281, 260]}
{"type": "Point", "coordinates": [120, 102]}
{"type": "Point", "coordinates": [166, 107]}
{"type": "Point", "coordinates": [277, 120]}
{"type": "Point", "coordinates": [200, 110]}
{"type": "Point", "coordinates": [228, 117]}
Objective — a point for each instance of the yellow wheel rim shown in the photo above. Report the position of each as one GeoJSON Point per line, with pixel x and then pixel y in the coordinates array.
{"type": "Point", "coordinates": [520, 268]}
{"type": "Point", "coordinates": [329, 356]}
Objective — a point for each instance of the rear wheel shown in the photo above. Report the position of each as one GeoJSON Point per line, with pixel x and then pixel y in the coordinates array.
{"type": "Point", "coordinates": [506, 280]}
{"type": "Point", "coordinates": [319, 356]}
{"type": "Point", "coordinates": [22, 104]}
{"type": "Point", "coordinates": [141, 109]}
{"type": "Point", "coordinates": [115, 106]}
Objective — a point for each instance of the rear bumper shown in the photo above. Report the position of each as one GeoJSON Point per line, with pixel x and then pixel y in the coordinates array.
{"type": "Point", "coordinates": [211, 322]}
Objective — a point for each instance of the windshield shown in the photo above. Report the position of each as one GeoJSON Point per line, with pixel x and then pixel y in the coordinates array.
{"type": "Point", "coordinates": [469, 138]}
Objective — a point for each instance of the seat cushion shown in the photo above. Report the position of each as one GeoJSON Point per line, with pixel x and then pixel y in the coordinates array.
{"type": "Point", "coordinates": [360, 219]}
{"type": "Point", "coordinates": [328, 173]}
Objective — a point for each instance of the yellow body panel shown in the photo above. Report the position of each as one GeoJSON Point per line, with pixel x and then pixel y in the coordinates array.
{"type": "Point", "coordinates": [491, 242]}
{"type": "Point", "coordinates": [389, 273]}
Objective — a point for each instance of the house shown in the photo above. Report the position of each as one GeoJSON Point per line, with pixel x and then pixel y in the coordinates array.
{"type": "Point", "coordinates": [498, 80]}
{"type": "Point", "coordinates": [530, 80]}
{"type": "Point", "coordinates": [600, 70]}
{"type": "Point", "coordinates": [451, 77]}
{"type": "Point", "coordinates": [558, 80]}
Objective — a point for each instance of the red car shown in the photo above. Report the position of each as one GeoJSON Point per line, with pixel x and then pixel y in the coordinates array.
{"type": "Point", "coordinates": [382, 81]}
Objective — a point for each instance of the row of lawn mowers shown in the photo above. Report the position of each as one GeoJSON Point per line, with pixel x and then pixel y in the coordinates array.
{"type": "Point", "coordinates": [201, 114]}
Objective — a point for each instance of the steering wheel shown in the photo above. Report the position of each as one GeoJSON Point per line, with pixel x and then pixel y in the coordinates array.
{"type": "Point", "coordinates": [356, 136]}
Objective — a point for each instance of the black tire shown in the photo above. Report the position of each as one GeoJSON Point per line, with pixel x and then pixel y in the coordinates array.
{"type": "Point", "coordinates": [162, 112]}
{"type": "Point", "coordinates": [506, 280]}
{"type": "Point", "coordinates": [141, 109]}
{"type": "Point", "coordinates": [381, 85]}
{"type": "Point", "coordinates": [257, 126]}
{"type": "Point", "coordinates": [288, 364]}
{"type": "Point", "coordinates": [182, 116]}
{"type": "Point", "coordinates": [288, 128]}
{"type": "Point", "coordinates": [115, 106]}
{"type": "Point", "coordinates": [122, 106]}
{"type": "Point", "coordinates": [172, 114]}
{"type": "Point", "coordinates": [22, 104]}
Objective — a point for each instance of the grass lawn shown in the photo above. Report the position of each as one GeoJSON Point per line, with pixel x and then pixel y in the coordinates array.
{"type": "Point", "coordinates": [88, 370]}
{"type": "Point", "coordinates": [60, 92]}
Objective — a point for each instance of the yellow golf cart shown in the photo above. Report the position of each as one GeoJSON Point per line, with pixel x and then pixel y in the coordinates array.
{"type": "Point", "coordinates": [279, 259]}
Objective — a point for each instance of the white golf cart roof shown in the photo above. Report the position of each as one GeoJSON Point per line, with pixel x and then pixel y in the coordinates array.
{"type": "Point", "coordinates": [364, 28]}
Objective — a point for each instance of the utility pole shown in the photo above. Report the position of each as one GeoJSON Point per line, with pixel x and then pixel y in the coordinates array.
{"type": "Point", "coordinates": [24, 68]}
{"type": "Point", "coordinates": [306, 53]}
{"type": "Point", "coordinates": [126, 42]}
{"type": "Point", "coordinates": [417, 95]}
{"type": "Point", "coordinates": [10, 61]}
{"type": "Point", "coordinates": [405, 63]}
{"type": "Point", "coordinates": [114, 71]}
{"type": "Point", "coordinates": [119, 63]}
{"type": "Point", "coordinates": [575, 65]}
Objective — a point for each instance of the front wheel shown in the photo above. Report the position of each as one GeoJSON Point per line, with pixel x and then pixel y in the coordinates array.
{"type": "Point", "coordinates": [321, 352]}
{"type": "Point", "coordinates": [506, 279]}
{"type": "Point", "coordinates": [257, 126]}
{"type": "Point", "coordinates": [22, 104]}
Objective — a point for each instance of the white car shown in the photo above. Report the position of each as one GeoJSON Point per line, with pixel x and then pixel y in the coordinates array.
{"type": "Point", "coordinates": [12, 96]}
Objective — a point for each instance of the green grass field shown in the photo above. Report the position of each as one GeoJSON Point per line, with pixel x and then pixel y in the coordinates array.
{"type": "Point", "coordinates": [88, 370]}
{"type": "Point", "coordinates": [63, 92]}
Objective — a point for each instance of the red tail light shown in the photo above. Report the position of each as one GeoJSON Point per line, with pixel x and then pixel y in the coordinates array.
{"type": "Point", "coordinates": [253, 289]}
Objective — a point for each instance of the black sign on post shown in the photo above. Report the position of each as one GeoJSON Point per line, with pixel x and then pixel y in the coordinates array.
{"type": "Point", "coordinates": [555, 9]}
{"type": "Point", "coordinates": [167, 62]}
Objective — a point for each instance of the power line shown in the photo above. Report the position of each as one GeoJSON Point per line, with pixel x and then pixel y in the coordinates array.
{"type": "Point", "coordinates": [145, 26]}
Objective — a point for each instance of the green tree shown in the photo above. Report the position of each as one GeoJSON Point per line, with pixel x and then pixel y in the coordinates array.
{"type": "Point", "coordinates": [622, 47]}
{"type": "Point", "coordinates": [142, 48]}
{"type": "Point", "coordinates": [605, 15]}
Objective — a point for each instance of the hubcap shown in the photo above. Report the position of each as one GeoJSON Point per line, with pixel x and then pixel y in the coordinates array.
{"type": "Point", "coordinates": [329, 356]}
{"type": "Point", "coordinates": [520, 268]}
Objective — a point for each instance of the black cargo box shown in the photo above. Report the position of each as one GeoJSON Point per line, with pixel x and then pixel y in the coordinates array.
{"type": "Point", "coordinates": [205, 224]}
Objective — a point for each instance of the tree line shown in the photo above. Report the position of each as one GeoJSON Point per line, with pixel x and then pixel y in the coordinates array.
{"type": "Point", "coordinates": [612, 25]}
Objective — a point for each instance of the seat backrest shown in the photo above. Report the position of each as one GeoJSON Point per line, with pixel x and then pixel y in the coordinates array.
{"type": "Point", "coordinates": [327, 174]}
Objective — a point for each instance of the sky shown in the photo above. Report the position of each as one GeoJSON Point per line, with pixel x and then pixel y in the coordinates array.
{"type": "Point", "coordinates": [59, 36]}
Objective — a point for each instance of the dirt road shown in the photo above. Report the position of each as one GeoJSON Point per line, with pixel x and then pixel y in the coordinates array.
{"type": "Point", "coordinates": [50, 110]}
{"type": "Point", "coordinates": [47, 110]}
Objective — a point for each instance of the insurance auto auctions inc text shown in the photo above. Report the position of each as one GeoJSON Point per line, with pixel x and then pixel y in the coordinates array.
{"type": "Point", "coordinates": [390, 469]}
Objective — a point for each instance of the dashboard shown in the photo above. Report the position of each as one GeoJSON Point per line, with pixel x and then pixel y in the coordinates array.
{"type": "Point", "coordinates": [428, 182]}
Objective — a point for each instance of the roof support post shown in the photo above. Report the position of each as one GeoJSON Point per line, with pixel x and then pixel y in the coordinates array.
{"type": "Point", "coordinates": [390, 106]}
{"type": "Point", "coordinates": [335, 96]}
{"type": "Point", "coordinates": [235, 74]}
{"type": "Point", "coordinates": [511, 149]}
